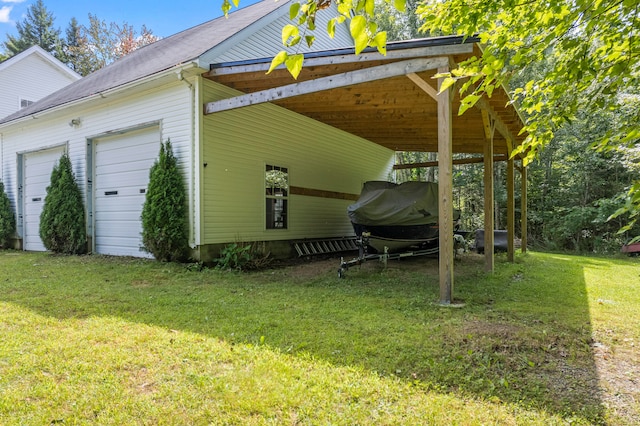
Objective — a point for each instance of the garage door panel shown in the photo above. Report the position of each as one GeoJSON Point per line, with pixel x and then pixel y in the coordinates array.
{"type": "Point", "coordinates": [131, 178]}
{"type": "Point", "coordinates": [122, 247]}
{"type": "Point", "coordinates": [121, 177]}
{"type": "Point", "coordinates": [122, 230]}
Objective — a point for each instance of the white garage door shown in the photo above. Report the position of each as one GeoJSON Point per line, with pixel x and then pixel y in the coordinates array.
{"type": "Point", "coordinates": [121, 176]}
{"type": "Point", "coordinates": [36, 170]}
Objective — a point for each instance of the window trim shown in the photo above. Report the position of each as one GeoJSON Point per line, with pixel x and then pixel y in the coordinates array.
{"type": "Point", "coordinates": [286, 198]}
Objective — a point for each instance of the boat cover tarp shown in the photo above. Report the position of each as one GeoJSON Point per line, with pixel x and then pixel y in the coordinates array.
{"type": "Point", "coordinates": [390, 204]}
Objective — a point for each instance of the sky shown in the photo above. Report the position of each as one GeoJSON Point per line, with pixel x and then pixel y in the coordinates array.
{"type": "Point", "coordinates": [162, 17]}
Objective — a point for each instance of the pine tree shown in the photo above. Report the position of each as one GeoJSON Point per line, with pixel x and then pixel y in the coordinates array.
{"type": "Point", "coordinates": [7, 218]}
{"type": "Point", "coordinates": [164, 214]}
{"type": "Point", "coordinates": [62, 221]}
{"type": "Point", "coordinates": [36, 29]}
{"type": "Point", "coordinates": [72, 42]}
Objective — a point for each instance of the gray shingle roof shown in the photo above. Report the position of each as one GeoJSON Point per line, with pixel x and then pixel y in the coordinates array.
{"type": "Point", "coordinates": [183, 47]}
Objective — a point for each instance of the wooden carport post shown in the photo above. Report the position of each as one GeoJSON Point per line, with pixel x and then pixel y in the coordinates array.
{"type": "Point", "coordinates": [445, 190]}
{"type": "Point", "coordinates": [511, 216]}
{"type": "Point", "coordinates": [489, 130]}
{"type": "Point", "coordinates": [523, 208]}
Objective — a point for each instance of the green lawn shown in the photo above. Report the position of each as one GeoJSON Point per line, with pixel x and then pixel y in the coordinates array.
{"type": "Point", "coordinates": [551, 339]}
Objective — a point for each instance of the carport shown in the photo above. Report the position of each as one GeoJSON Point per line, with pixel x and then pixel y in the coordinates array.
{"type": "Point", "coordinates": [394, 101]}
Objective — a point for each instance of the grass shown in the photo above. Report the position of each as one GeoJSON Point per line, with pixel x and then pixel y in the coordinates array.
{"type": "Point", "coordinates": [549, 339]}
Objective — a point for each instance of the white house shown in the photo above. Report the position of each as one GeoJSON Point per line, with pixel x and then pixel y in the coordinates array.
{"type": "Point", "coordinates": [265, 158]}
{"type": "Point", "coordinates": [30, 76]}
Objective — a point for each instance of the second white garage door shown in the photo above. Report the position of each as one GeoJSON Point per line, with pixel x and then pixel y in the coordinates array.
{"type": "Point", "coordinates": [121, 176]}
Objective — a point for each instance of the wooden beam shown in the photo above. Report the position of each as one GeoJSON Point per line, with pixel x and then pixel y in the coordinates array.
{"type": "Point", "coordinates": [523, 209]}
{"type": "Point", "coordinates": [489, 263]}
{"type": "Point", "coordinates": [349, 58]}
{"type": "Point", "coordinates": [510, 211]}
{"type": "Point", "coordinates": [456, 161]}
{"type": "Point", "coordinates": [500, 126]}
{"type": "Point", "coordinates": [326, 83]}
{"type": "Point", "coordinates": [445, 190]}
{"type": "Point", "coordinates": [428, 89]}
{"type": "Point", "coordinates": [311, 192]}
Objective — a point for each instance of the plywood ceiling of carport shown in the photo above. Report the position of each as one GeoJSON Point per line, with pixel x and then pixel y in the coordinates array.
{"type": "Point", "coordinates": [392, 112]}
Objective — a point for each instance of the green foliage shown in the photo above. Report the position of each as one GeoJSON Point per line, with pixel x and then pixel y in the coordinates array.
{"type": "Point", "coordinates": [234, 257]}
{"type": "Point", "coordinates": [7, 218]}
{"type": "Point", "coordinates": [242, 257]}
{"type": "Point", "coordinates": [399, 25]}
{"type": "Point", "coordinates": [62, 221]}
{"type": "Point", "coordinates": [591, 54]}
{"type": "Point", "coordinates": [164, 214]}
{"type": "Point", "coordinates": [90, 48]}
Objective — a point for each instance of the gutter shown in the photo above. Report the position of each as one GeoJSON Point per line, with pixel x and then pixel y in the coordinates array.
{"type": "Point", "coordinates": [398, 45]}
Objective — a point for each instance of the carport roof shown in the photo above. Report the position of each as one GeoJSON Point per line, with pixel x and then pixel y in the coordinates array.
{"type": "Point", "coordinates": [393, 109]}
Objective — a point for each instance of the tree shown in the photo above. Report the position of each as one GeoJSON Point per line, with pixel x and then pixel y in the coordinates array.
{"type": "Point", "coordinates": [164, 213]}
{"type": "Point", "coordinates": [93, 47]}
{"type": "Point", "coordinates": [62, 221]}
{"type": "Point", "coordinates": [592, 49]}
{"type": "Point", "coordinates": [72, 47]}
{"type": "Point", "coordinates": [399, 25]}
{"type": "Point", "coordinates": [7, 218]}
{"type": "Point", "coordinates": [36, 30]}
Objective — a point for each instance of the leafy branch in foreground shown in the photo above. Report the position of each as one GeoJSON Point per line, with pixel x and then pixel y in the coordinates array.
{"type": "Point", "coordinates": [592, 49]}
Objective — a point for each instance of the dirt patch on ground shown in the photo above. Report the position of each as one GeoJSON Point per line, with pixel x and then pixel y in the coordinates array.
{"type": "Point", "coordinates": [619, 372]}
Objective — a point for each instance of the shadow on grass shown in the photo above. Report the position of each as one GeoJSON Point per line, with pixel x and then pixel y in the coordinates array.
{"type": "Point", "coordinates": [523, 336]}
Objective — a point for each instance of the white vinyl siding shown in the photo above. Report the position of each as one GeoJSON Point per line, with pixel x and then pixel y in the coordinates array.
{"type": "Point", "coordinates": [170, 105]}
{"type": "Point", "coordinates": [120, 181]}
{"type": "Point", "coordinates": [31, 78]}
{"type": "Point", "coordinates": [239, 143]}
{"type": "Point", "coordinates": [267, 42]}
{"type": "Point", "coordinates": [37, 168]}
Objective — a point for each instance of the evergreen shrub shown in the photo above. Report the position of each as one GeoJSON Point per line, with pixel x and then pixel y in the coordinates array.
{"type": "Point", "coordinates": [62, 221]}
{"type": "Point", "coordinates": [164, 214]}
{"type": "Point", "coordinates": [7, 218]}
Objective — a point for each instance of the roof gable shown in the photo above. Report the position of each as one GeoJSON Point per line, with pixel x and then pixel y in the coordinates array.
{"type": "Point", "coordinates": [43, 54]}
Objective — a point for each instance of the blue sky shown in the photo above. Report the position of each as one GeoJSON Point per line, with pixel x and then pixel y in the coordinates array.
{"type": "Point", "coordinates": [163, 17]}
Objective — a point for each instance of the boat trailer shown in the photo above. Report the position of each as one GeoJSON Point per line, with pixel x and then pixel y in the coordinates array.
{"type": "Point", "coordinates": [362, 242]}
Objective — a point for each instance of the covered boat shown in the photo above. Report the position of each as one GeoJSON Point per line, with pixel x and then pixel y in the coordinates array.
{"type": "Point", "coordinates": [397, 215]}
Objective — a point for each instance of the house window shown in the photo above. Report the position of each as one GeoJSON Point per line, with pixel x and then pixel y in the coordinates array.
{"type": "Point", "coordinates": [277, 195]}
{"type": "Point", "coordinates": [25, 103]}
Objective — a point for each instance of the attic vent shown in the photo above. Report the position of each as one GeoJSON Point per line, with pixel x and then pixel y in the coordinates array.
{"type": "Point", "coordinates": [25, 103]}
